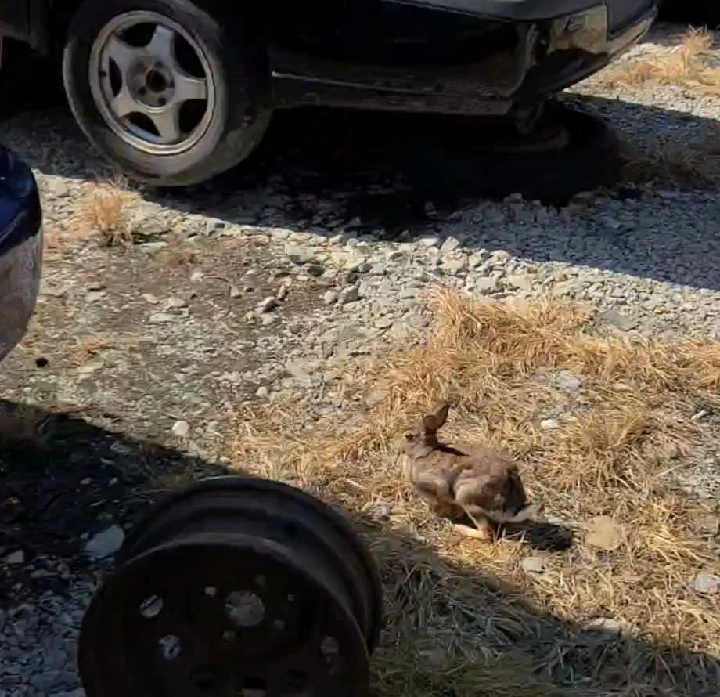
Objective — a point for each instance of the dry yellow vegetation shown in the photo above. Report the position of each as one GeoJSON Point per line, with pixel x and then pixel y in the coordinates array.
{"type": "Point", "coordinates": [469, 619]}
{"type": "Point", "coordinates": [107, 209]}
{"type": "Point", "coordinates": [689, 64]}
{"type": "Point", "coordinates": [686, 164]}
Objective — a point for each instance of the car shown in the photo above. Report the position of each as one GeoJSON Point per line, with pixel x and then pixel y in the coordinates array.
{"type": "Point", "coordinates": [177, 91]}
{"type": "Point", "coordinates": [20, 248]}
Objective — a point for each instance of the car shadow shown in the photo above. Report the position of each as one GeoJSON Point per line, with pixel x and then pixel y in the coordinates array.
{"type": "Point", "coordinates": [694, 12]}
{"type": "Point", "coordinates": [347, 171]}
{"type": "Point", "coordinates": [334, 170]}
{"type": "Point", "coordinates": [67, 477]}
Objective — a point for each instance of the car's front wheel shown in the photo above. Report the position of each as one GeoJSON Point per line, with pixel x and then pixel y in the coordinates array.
{"type": "Point", "coordinates": [171, 91]}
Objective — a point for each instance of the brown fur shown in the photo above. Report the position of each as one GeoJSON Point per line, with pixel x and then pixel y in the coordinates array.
{"type": "Point", "coordinates": [463, 478]}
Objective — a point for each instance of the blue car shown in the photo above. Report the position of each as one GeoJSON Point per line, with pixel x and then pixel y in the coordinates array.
{"type": "Point", "coordinates": [20, 248]}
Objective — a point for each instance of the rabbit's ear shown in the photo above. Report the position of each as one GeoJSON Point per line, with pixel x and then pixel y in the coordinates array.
{"type": "Point", "coordinates": [432, 422]}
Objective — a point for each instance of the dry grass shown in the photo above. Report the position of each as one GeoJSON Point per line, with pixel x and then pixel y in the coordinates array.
{"type": "Point", "coordinates": [689, 64]}
{"type": "Point", "coordinates": [107, 209]}
{"type": "Point", "coordinates": [687, 164]}
{"type": "Point", "coordinates": [621, 436]}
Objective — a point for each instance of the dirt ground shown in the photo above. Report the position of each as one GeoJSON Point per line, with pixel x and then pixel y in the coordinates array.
{"type": "Point", "coordinates": [128, 338]}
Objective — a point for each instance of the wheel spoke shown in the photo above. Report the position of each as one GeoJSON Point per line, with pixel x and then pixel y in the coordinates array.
{"type": "Point", "coordinates": [187, 87]}
{"type": "Point", "coordinates": [167, 123]}
{"type": "Point", "coordinates": [162, 45]}
{"type": "Point", "coordinates": [123, 104]}
{"type": "Point", "coordinates": [120, 53]}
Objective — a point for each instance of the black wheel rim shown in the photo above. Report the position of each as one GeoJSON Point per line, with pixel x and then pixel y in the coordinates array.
{"type": "Point", "coordinates": [253, 497]}
{"type": "Point", "coordinates": [163, 622]}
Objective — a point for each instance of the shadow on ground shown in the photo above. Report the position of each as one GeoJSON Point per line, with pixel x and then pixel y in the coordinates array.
{"type": "Point", "coordinates": [61, 478]}
{"type": "Point", "coordinates": [72, 477]}
{"type": "Point", "coordinates": [336, 170]}
{"type": "Point", "coordinates": [332, 170]}
{"type": "Point", "coordinates": [695, 12]}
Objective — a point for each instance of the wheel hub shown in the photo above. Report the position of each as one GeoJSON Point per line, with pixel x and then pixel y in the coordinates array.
{"type": "Point", "coordinates": [151, 83]}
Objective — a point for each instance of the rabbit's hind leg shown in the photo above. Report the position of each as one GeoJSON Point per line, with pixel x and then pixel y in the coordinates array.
{"type": "Point", "coordinates": [483, 529]}
{"type": "Point", "coordinates": [484, 533]}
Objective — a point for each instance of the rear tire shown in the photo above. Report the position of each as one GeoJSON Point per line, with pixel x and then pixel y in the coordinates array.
{"type": "Point", "coordinates": [465, 160]}
{"type": "Point", "coordinates": [102, 57]}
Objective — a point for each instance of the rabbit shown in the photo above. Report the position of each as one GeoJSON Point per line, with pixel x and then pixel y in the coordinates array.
{"type": "Point", "coordinates": [463, 478]}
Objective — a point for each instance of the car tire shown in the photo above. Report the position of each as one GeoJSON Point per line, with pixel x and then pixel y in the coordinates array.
{"type": "Point", "coordinates": [228, 55]}
{"type": "Point", "coordinates": [459, 167]}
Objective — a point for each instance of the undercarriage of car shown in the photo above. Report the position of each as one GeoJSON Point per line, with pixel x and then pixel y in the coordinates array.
{"type": "Point", "coordinates": [422, 58]}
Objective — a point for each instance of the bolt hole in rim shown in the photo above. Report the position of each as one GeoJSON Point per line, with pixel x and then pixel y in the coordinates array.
{"type": "Point", "coordinates": [152, 83]}
{"type": "Point", "coordinates": [151, 607]}
{"type": "Point", "coordinates": [170, 647]}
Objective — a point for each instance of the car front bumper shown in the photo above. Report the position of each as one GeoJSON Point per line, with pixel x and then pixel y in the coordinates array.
{"type": "Point", "coordinates": [20, 249]}
{"type": "Point", "coordinates": [548, 54]}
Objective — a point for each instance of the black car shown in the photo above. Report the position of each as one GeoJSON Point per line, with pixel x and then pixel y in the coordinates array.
{"type": "Point", "coordinates": [20, 249]}
{"type": "Point", "coordinates": [176, 91]}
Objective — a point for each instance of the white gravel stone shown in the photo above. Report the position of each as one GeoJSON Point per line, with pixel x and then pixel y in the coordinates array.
{"type": "Point", "coordinates": [106, 543]}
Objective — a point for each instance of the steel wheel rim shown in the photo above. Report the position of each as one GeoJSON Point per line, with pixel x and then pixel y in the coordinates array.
{"type": "Point", "coordinates": [243, 539]}
{"type": "Point", "coordinates": [102, 666]}
{"type": "Point", "coordinates": [136, 86]}
{"type": "Point", "coordinates": [139, 538]}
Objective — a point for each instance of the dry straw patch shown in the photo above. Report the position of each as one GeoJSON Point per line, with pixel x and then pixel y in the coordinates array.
{"type": "Point", "coordinates": [464, 618]}
{"type": "Point", "coordinates": [690, 64]}
{"type": "Point", "coordinates": [690, 164]}
{"type": "Point", "coordinates": [107, 209]}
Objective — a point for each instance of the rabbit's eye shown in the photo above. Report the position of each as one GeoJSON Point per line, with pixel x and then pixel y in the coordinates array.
{"type": "Point", "coordinates": [409, 436]}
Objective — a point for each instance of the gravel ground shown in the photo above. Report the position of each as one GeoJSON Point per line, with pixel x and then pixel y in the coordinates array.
{"type": "Point", "coordinates": [261, 286]}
